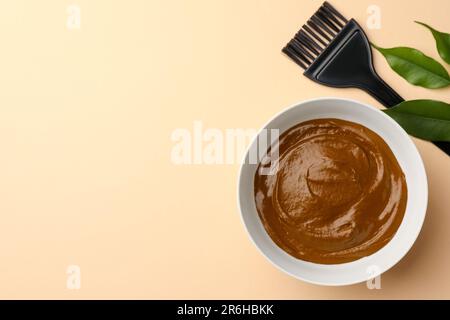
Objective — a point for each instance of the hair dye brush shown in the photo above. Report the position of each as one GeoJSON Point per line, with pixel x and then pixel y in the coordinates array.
{"type": "Point", "coordinates": [335, 52]}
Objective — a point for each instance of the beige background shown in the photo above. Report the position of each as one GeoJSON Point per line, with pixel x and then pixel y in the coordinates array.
{"type": "Point", "coordinates": [85, 124]}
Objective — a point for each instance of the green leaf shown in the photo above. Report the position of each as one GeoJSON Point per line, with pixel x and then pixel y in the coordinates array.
{"type": "Point", "coordinates": [442, 42]}
{"type": "Point", "coordinates": [425, 119]}
{"type": "Point", "coordinates": [417, 68]}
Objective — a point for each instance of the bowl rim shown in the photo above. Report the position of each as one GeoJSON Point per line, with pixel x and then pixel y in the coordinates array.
{"type": "Point", "coordinates": [398, 257]}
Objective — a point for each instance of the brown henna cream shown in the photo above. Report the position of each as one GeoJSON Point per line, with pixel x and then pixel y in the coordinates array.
{"type": "Point", "coordinates": [338, 195]}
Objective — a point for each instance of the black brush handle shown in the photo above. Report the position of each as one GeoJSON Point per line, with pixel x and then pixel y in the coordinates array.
{"type": "Point", "coordinates": [381, 91]}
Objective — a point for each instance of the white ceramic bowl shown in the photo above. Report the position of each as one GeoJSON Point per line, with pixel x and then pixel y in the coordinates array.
{"type": "Point", "coordinates": [409, 160]}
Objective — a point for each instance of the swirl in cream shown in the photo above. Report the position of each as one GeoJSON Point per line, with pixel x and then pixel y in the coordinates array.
{"type": "Point", "coordinates": [339, 193]}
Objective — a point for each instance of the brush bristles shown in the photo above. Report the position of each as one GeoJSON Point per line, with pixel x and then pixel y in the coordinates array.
{"type": "Point", "coordinates": [315, 35]}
